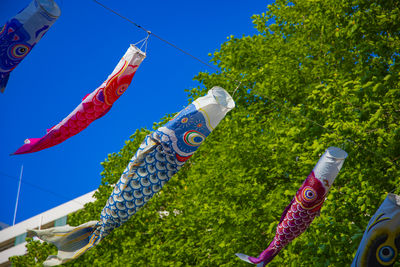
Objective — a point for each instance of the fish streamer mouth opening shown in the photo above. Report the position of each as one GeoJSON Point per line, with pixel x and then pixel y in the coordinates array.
{"type": "Point", "coordinates": [223, 97]}
{"type": "Point", "coordinates": [395, 199]}
{"type": "Point", "coordinates": [337, 153]}
{"type": "Point", "coordinates": [136, 49]}
{"type": "Point", "coordinates": [50, 7]}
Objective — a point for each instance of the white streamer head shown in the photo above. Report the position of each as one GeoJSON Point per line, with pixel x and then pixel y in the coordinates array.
{"type": "Point", "coordinates": [329, 166]}
{"type": "Point", "coordinates": [215, 105]}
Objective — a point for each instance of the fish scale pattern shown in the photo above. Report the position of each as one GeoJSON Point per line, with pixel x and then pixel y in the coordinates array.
{"type": "Point", "coordinates": [93, 106]}
{"type": "Point", "coordinates": [296, 222]}
{"type": "Point", "coordinates": [304, 207]}
{"type": "Point", "coordinates": [145, 175]}
{"type": "Point", "coordinates": [160, 155]}
{"type": "Point", "coordinates": [296, 218]}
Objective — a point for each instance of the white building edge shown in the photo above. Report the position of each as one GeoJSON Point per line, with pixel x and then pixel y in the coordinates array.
{"type": "Point", "coordinates": [12, 238]}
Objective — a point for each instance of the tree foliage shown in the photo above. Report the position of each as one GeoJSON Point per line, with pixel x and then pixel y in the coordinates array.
{"type": "Point", "coordinates": [319, 73]}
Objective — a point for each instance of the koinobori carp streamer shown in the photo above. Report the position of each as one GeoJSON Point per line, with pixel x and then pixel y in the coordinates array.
{"type": "Point", "coordinates": [158, 158]}
{"type": "Point", "coordinates": [305, 205]}
{"type": "Point", "coordinates": [380, 244]}
{"type": "Point", "coordinates": [92, 107]}
{"type": "Point", "coordinates": [22, 32]}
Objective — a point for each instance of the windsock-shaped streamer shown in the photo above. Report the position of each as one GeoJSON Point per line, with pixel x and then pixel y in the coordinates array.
{"type": "Point", "coordinates": [305, 205]}
{"type": "Point", "coordinates": [20, 34]}
{"type": "Point", "coordinates": [92, 107]}
{"type": "Point", "coordinates": [158, 158]}
{"type": "Point", "coordinates": [380, 244]}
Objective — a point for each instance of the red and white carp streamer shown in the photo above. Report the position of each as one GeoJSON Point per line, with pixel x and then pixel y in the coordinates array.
{"type": "Point", "coordinates": [92, 107]}
{"type": "Point", "coordinates": [160, 156]}
{"type": "Point", "coordinates": [305, 205]}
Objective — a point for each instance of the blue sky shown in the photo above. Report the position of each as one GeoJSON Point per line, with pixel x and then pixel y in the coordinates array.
{"type": "Point", "coordinates": [74, 57]}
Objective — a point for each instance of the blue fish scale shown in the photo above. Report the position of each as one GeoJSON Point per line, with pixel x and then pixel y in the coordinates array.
{"type": "Point", "coordinates": [146, 174]}
{"type": "Point", "coordinates": [158, 158]}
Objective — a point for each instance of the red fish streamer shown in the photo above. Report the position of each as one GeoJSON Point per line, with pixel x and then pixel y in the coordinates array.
{"type": "Point", "coordinates": [92, 107]}
{"type": "Point", "coordinates": [305, 205]}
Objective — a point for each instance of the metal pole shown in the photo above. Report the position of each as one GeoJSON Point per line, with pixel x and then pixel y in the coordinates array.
{"type": "Point", "coordinates": [19, 189]}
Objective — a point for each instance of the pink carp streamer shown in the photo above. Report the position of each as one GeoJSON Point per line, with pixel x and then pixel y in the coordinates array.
{"type": "Point", "coordinates": [92, 107]}
{"type": "Point", "coordinates": [305, 205]}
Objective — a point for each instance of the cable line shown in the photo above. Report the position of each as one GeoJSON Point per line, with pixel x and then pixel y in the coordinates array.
{"type": "Point", "coordinates": [155, 35]}
{"type": "Point", "coordinates": [40, 188]}
{"type": "Point", "coordinates": [210, 66]}
{"type": "Point", "coordinates": [201, 61]}
{"type": "Point", "coordinates": [332, 131]}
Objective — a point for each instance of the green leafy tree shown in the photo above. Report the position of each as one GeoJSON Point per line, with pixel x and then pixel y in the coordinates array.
{"type": "Point", "coordinates": [319, 73]}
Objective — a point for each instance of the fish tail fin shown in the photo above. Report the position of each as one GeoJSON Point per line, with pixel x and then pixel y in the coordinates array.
{"type": "Point", "coordinates": [71, 242]}
{"type": "Point", "coordinates": [265, 257]}
{"type": "Point", "coordinates": [3, 81]}
{"type": "Point", "coordinates": [246, 258]}
{"type": "Point", "coordinates": [26, 148]}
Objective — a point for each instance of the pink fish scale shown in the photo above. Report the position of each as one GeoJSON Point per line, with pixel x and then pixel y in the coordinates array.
{"type": "Point", "coordinates": [93, 105]}
{"type": "Point", "coordinates": [295, 222]}
{"type": "Point", "coordinates": [303, 214]}
{"type": "Point", "coordinates": [57, 134]}
{"type": "Point", "coordinates": [284, 224]}
{"type": "Point", "coordinates": [292, 223]}
{"type": "Point", "coordinates": [289, 215]}
{"type": "Point", "coordinates": [71, 123]}
{"type": "Point", "coordinates": [282, 241]}
{"type": "Point", "coordinates": [298, 222]}
{"type": "Point", "coordinates": [89, 116]}
{"type": "Point", "coordinates": [80, 116]}
{"type": "Point", "coordinates": [286, 230]}
{"type": "Point", "coordinates": [294, 230]}
{"type": "Point", "coordinates": [81, 123]}
{"type": "Point", "coordinates": [90, 108]}
{"type": "Point", "coordinates": [281, 238]}
{"type": "Point", "coordinates": [98, 108]}
{"type": "Point", "coordinates": [296, 216]}
{"type": "Point", "coordinates": [74, 131]}
{"type": "Point", "coordinates": [311, 212]}
{"type": "Point", "coordinates": [298, 207]}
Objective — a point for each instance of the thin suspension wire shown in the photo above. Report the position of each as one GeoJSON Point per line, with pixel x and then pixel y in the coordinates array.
{"type": "Point", "coordinates": [234, 92]}
{"type": "Point", "coordinates": [41, 188]}
{"type": "Point", "coordinates": [145, 43]}
{"type": "Point", "coordinates": [201, 61]}
{"type": "Point", "coordinates": [332, 131]}
{"type": "Point", "coordinates": [116, 13]}
{"type": "Point", "coordinates": [142, 41]}
{"type": "Point", "coordinates": [395, 189]}
{"type": "Point", "coordinates": [155, 35]}
{"type": "Point", "coordinates": [183, 51]}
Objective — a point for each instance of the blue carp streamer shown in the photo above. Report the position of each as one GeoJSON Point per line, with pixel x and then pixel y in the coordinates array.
{"type": "Point", "coordinates": [20, 34]}
{"type": "Point", "coordinates": [380, 244]}
{"type": "Point", "coordinates": [159, 157]}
